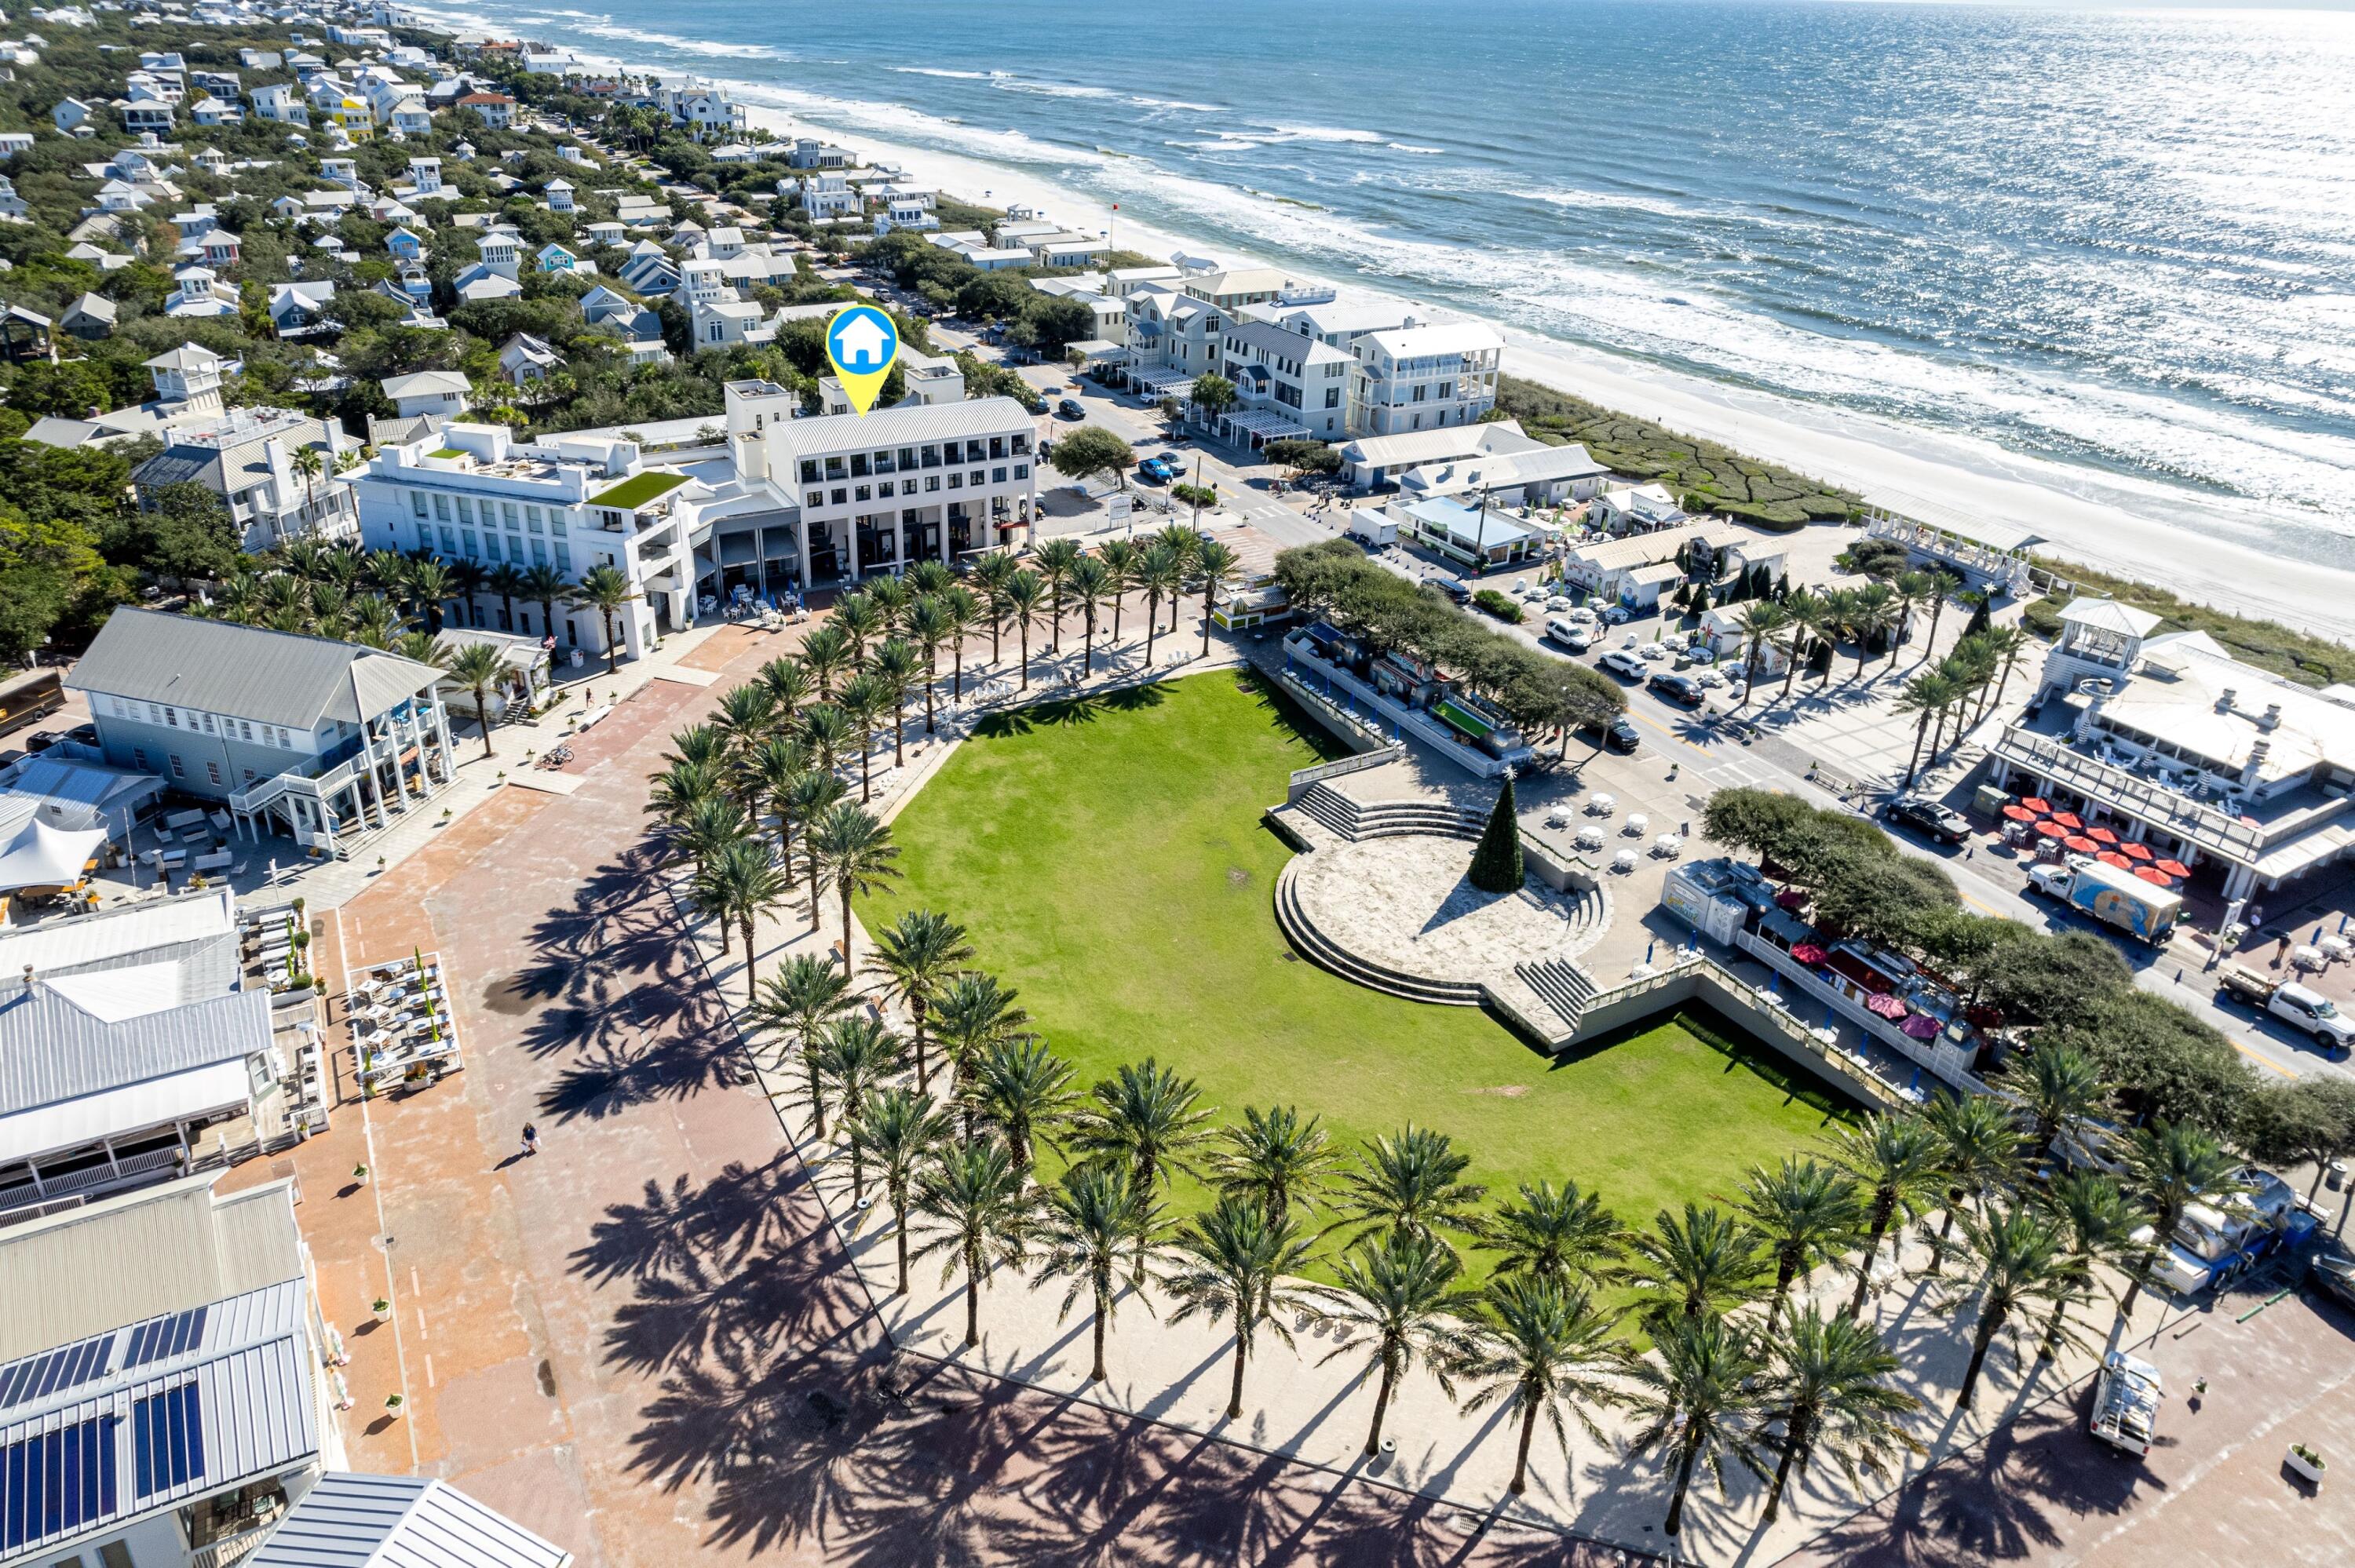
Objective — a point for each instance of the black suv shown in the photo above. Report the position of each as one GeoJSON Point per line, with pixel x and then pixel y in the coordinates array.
{"type": "Point", "coordinates": [1931, 819]}
{"type": "Point", "coordinates": [1676, 688]}
{"type": "Point", "coordinates": [1620, 735]}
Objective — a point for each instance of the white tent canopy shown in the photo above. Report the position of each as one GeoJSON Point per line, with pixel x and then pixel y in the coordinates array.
{"type": "Point", "coordinates": [38, 855]}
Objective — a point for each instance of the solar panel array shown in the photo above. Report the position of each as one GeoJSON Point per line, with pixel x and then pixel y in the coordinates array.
{"type": "Point", "coordinates": [70, 1366]}
{"type": "Point", "coordinates": [161, 1338]}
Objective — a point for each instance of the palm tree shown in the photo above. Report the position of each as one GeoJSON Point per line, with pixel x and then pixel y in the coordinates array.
{"type": "Point", "coordinates": [973, 1013]}
{"type": "Point", "coordinates": [744, 717]}
{"type": "Point", "coordinates": [1095, 1215]}
{"type": "Point", "coordinates": [1826, 1386]}
{"type": "Point", "coordinates": [1978, 1151]}
{"type": "Point", "coordinates": [891, 597]}
{"type": "Point", "coordinates": [2021, 1260]}
{"type": "Point", "coordinates": [1023, 591]}
{"type": "Point", "coordinates": [1024, 1090]}
{"type": "Point", "coordinates": [930, 578]}
{"type": "Point", "coordinates": [2169, 1164]}
{"type": "Point", "coordinates": [505, 580]}
{"type": "Point", "coordinates": [478, 666]}
{"type": "Point", "coordinates": [1547, 1348]}
{"type": "Point", "coordinates": [1119, 558]}
{"type": "Point", "coordinates": [828, 731]}
{"type": "Point", "coordinates": [814, 792]}
{"type": "Point", "coordinates": [1235, 1261]}
{"type": "Point", "coordinates": [789, 684]}
{"type": "Point", "coordinates": [1561, 1233]}
{"type": "Point", "coordinates": [963, 612]}
{"type": "Point", "coordinates": [865, 698]}
{"type": "Point", "coordinates": [930, 624]}
{"type": "Point", "coordinates": [1274, 1158]}
{"type": "Point", "coordinates": [605, 590]}
{"type": "Point", "coordinates": [1705, 1261]}
{"type": "Point", "coordinates": [1872, 612]}
{"type": "Point", "coordinates": [769, 772]}
{"type": "Point", "coordinates": [856, 851]}
{"type": "Point", "coordinates": [1943, 584]}
{"type": "Point", "coordinates": [700, 744]}
{"type": "Point", "coordinates": [2058, 1089]}
{"type": "Point", "coordinates": [1759, 623]}
{"type": "Point", "coordinates": [1924, 696]}
{"type": "Point", "coordinates": [995, 572]}
{"type": "Point", "coordinates": [710, 826]}
{"type": "Point", "coordinates": [974, 1190]}
{"type": "Point", "coordinates": [2004, 645]}
{"type": "Point", "coordinates": [826, 654]}
{"type": "Point", "coordinates": [1909, 592]}
{"type": "Point", "coordinates": [1805, 615]}
{"type": "Point", "coordinates": [900, 1131]}
{"type": "Point", "coordinates": [1697, 1396]}
{"type": "Point", "coordinates": [545, 585]}
{"type": "Point", "coordinates": [678, 790]}
{"type": "Point", "coordinates": [1214, 566]}
{"type": "Point", "coordinates": [1805, 1214]}
{"type": "Point", "coordinates": [430, 581]}
{"type": "Point", "coordinates": [1898, 1159]}
{"type": "Point", "coordinates": [466, 579]}
{"type": "Point", "coordinates": [742, 885]}
{"type": "Point", "coordinates": [1089, 582]}
{"type": "Point", "coordinates": [1147, 1117]}
{"type": "Point", "coordinates": [1398, 1301]}
{"type": "Point", "coordinates": [800, 1001]}
{"type": "Point", "coordinates": [2099, 1221]}
{"type": "Point", "coordinates": [895, 665]}
{"type": "Point", "coordinates": [1409, 1182]}
{"type": "Point", "coordinates": [1055, 561]}
{"type": "Point", "coordinates": [914, 957]}
{"type": "Point", "coordinates": [860, 619]}
{"type": "Point", "coordinates": [858, 1054]}
{"type": "Point", "coordinates": [1159, 571]}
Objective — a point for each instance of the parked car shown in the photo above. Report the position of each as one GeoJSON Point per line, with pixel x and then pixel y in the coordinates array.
{"type": "Point", "coordinates": [1930, 819]}
{"type": "Point", "coordinates": [1620, 735]}
{"type": "Point", "coordinates": [1616, 615]}
{"type": "Point", "coordinates": [1576, 636]}
{"type": "Point", "coordinates": [2305, 1010]}
{"type": "Point", "coordinates": [1681, 689]}
{"type": "Point", "coordinates": [45, 738]}
{"type": "Point", "coordinates": [1451, 587]}
{"type": "Point", "coordinates": [1624, 662]}
{"type": "Point", "coordinates": [2332, 1271]}
{"type": "Point", "coordinates": [1656, 652]}
{"type": "Point", "coordinates": [1069, 408]}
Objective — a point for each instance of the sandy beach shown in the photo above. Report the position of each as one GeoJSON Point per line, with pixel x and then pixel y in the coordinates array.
{"type": "Point", "coordinates": [2192, 544]}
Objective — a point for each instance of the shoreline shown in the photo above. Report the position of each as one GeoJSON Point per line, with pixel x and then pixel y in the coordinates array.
{"type": "Point", "coordinates": [2110, 523]}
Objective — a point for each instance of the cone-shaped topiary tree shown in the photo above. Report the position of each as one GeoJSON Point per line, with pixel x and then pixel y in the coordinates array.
{"type": "Point", "coordinates": [1497, 864]}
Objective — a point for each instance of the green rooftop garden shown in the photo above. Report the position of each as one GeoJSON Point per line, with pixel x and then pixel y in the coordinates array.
{"type": "Point", "coordinates": [638, 489]}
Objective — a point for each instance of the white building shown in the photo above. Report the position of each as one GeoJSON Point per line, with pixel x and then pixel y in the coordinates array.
{"type": "Point", "coordinates": [1636, 509]}
{"type": "Point", "coordinates": [443, 392]}
{"type": "Point", "coordinates": [470, 493]}
{"type": "Point", "coordinates": [1418, 379]}
{"type": "Point", "coordinates": [1287, 386]}
{"type": "Point", "coordinates": [252, 459]}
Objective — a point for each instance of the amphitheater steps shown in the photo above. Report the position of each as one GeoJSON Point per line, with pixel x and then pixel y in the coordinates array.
{"type": "Point", "coordinates": [1560, 984]}
{"type": "Point", "coordinates": [1320, 950]}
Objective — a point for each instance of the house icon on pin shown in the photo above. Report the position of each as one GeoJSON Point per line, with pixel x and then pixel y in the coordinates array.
{"type": "Point", "coordinates": [859, 341]}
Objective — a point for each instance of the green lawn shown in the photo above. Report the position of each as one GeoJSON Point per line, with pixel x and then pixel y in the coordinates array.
{"type": "Point", "coordinates": [1110, 862]}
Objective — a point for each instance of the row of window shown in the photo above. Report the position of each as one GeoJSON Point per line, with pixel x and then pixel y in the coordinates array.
{"type": "Point", "coordinates": [862, 465]}
{"type": "Point", "coordinates": [167, 717]}
{"type": "Point", "coordinates": [487, 546]}
{"type": "Point", "coordinates": [842, 495]}
{"type": "Point", "coordinates": [516, 518]}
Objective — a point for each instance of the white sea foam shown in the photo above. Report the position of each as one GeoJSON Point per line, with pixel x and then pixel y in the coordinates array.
{"type": "Point", "coordinates": [935, 71]}
{"type": "Point", "coordinates": [1410, 147]}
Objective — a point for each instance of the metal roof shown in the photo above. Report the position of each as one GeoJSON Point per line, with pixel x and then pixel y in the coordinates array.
{"type": "Point", "coordinates": [52, 1049]}
{"type": "Point", "coordinates": [246, 672]}
{"type": "Point", "coordinates": [350, 1521]}
{"type": "Point", "coordinates": [897, 427]}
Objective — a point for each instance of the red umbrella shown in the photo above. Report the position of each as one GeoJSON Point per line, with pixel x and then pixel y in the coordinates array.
{"type": "Point", "coordinates": [2068, 820]}
{"type": "Point", "coordinates": [1885, 1006]}
{"type": "Point", "coordinates": [2037, 806]}
{"type": "Point", "coordinates": [2134, 851]}
{"type": "Point", "coordinates": [1921, 1026]}
{"type": "Point", "coordinates": [2079, 844]}
{"type": "Point", "coordinates": [2101, 835]}
{"type": "Point", "coordinates": [2152, 873]}
{"type": "Point", "coordinates": [1807, 953]}
{"type": "Point", "coordinates": [2108, 857]}
{"type": "Point", "coordinates": [2053, 830]}
{"type": "Point", "coordinates": [2020, 813]}
{"type": "Point", "coordinates": [2171, 868]}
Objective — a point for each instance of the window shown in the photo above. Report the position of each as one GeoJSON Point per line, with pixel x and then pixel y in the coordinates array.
{"type": "Point", "coordinates": [425, 535]}
{"type": "Point", "coordinates": [809, 471]}
{"type": "Point", "coordinates": [448, 540]}
{"type": "Point", "coordinates": [249, 777]}
{"type": "Point", "coordinates": [998, 476]}
{"type": "Point", "coordinates": [55, 1482]}
{"type": "Point", "coordinates": [841, 496]}
{"type": "Point", "coordinates": [932, 482]}
{"type": "Point", "coordinates": [212, 772]}
{"type": "Point", "coordinates": [245, 729]}
{"type": "Point", "coordinates": [172, 718]}
{"type": "Point", "coordinates": [859, 493]}
{"type": "Point", "coordinates": [1021, 471]}
{"type": "Point", "coordinates": [1332, 397]}
{"type": "Point", "coordinates": [507, 511]}
{"type": "Point", "coordinates": [531, 518]}
{"type": "Point", "coordinates": [556, 521]}
{"type": "Point", "coordinates": [815, 497]}
{"type": "Point", "coordinates": [417, 502]}
{"type": "Point", "coordinates": [563, 556]}
{"type": "Point", "coordinates": [465, 510]}
{"type": "Point", "coordinates": [956, 481]}
{"type": "Point", "coordinates": [441, 509]}
{"type": "Point", "coordinates": [466, 542]}
{"type": "Point", "coordinates": [139, 758]}
{"type": "Point", "coordinates": [539, 554]}
{"type": "Point", "coordinates": [168, 1440]}
{"type": "Point", "coordinates": [975, 480]}
{"type": "Point", "coordinates": [491, 546]}
{"type": "Point", "coordinates": [177, 770]}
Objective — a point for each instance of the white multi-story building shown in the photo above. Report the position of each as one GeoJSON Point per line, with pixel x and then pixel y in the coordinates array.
{"type": "Point", "coordinates": [1422, 378]}
{"type": "Point", "coordinates": [1173, 337]}
{"type": "Point", "coordinates": [470, 493]}
{"type": "Point", "coordinates": [252, 459]}
{"type": "Point", "coordinates": [838, 496]}
{"type": "Point", "coordinates": [828, 195]}
{"type": "Point", "coordinates": [280, 102]}
{"type": "Point", "coordinates": [1288, 385]}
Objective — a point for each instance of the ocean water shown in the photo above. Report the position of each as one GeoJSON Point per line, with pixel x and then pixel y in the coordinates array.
{"type": "Point", "coordinates": [2121, 239]}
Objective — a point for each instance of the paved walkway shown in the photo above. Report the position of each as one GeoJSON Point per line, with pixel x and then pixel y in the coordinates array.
{"type": "Point", "coordinates": [1408, 902]}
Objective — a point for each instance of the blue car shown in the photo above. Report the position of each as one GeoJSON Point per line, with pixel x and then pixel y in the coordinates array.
{"type": "Point", "coordinates": [1159, 470]}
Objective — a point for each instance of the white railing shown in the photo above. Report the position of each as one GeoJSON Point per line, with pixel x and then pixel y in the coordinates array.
{"type": "Point", "coordinates": [2120, 790]}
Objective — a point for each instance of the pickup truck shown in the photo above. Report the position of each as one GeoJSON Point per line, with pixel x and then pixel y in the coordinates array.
{"type": "Point", "coordinates": [2140, 909]}
{"type": "Point", "coordinates": [2126, 1396]}
{"type": "Point", "coordinates": [2308, 1012]}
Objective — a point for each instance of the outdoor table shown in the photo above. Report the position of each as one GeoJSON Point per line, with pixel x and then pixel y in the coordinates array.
{"type": "Point", "coordinates": [1639, 824]}
{"type": "Point", "coordinates": [2336, 948]}
{"type": "Point", "coordinates": [1603, 805]}
{"type": "Point", "coordinates": [2308, 958]}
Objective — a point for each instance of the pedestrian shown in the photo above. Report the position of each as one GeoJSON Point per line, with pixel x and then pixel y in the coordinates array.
{"type": "Point", "coordinates": [530, 1139]}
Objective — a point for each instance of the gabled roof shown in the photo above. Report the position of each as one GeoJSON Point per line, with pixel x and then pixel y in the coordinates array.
{"type": "Point", "coordinates": [53, 1048]}
{"type": "Point", "coordinates": [419, 383]}
{"type": "Point", "coordinates": [351, 1520]}
{"type": "Point", "coordinates": [218, 666]}
{"type": "Point", "coordinates": [2109, 615]}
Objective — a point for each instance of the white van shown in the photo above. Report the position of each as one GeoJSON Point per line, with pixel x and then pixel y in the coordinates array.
{"type": "Point", "coordinates": [1572, 634]}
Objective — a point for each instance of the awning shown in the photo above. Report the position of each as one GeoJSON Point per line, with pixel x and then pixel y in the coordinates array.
{"type": "Point", "coordinates": [1162, 380]}
{"type": "Point", "coordinates": [40, 855]}
{"type": "Point", "coordinates": [71, 794]}
{"type": "Point", "coordinates": [121, 1113]}
{"type": "Point", "coordinates": [1266, 425]}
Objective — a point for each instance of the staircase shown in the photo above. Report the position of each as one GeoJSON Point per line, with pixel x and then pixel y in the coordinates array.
{"type": "Point", "coordinates": [1560, 984]}
{"type": "Point", "coordinates": [1354, 820]}
{"type": "Point", "coordinates": [1312, 945]}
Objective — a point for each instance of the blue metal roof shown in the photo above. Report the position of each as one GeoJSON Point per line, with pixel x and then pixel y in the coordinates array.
{"type": "Point", "coordinates": [351, 1520]}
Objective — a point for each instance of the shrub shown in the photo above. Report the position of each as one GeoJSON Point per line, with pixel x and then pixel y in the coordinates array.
{"type": "Point", "coordinates": [1499, 605]}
